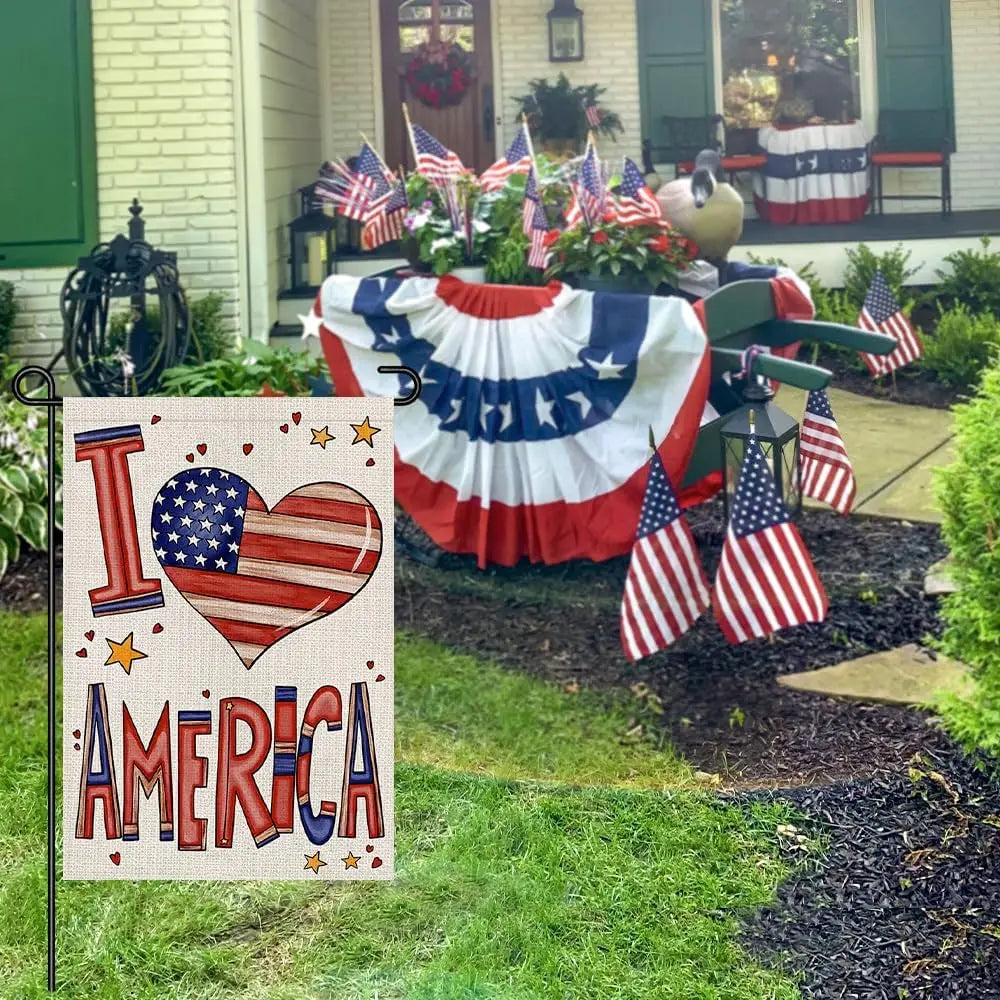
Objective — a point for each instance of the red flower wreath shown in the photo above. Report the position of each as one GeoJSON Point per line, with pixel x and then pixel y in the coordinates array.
{"type": "Point", "coordinates": [439, 74]}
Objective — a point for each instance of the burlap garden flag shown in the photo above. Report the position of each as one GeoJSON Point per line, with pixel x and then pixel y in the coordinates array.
{"type": "Point", "coordinates": [228, 639]}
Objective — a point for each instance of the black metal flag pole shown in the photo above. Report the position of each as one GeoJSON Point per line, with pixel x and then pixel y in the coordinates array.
{"type": "Point", "coordinates": [51, 401]}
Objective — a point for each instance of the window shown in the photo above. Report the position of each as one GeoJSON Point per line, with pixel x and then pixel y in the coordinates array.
{"type": "Point", "coordinates": [48, 169]}
{"type": "Point", "coordinates": [455, 24]}
{"type": "Point", "coordinates": [789, 61]}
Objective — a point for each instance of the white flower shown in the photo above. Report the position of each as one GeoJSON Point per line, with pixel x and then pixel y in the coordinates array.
{"type": "Point", "coordinates": [480, 226]}
{"type": "Point", "coordinates": [418, 220]}
{"type": "Point", "coordinates": [444, 243]}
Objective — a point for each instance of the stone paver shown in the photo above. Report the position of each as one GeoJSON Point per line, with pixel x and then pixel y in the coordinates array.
{"type": "Point", "coordinates": [903, 676]}
{"type": "Point", "coordinates": [939, 579]}
{"type": "Point", "coordinates": [886, 440]}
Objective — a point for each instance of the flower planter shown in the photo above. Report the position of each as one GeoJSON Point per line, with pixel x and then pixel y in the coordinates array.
{"type": "Point", "coordinates": [473, 275]}
{"type": "Point", "coordinates": [620, 286]}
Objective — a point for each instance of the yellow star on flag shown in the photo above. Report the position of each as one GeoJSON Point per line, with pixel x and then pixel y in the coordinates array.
{"type": "Point", "coordinates": [364, 432]}
{"type": "Point", "coordinates": [321, 437]}
{"type": "Point", "coordinates": [124, 653]}
{"type": "Point", "coordinates": [314, 863]}
{"type": "Point", "coordinates": [350, 861]}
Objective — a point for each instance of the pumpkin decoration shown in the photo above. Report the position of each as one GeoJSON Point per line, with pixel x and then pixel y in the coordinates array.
{"type": "Point", "coordinates": [439, 74]}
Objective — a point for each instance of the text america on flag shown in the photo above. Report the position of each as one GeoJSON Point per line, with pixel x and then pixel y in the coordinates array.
{"type": "Point", "coordinates": [766, 580]}
{"type": "Point", "coordinates": [256, 577]}
{"type": "Point", "coordinates": [826, 471]}
{"type": "Point", "coordinates": [881, 313]}
{"type": "Point", "coordinates": [665, 590]}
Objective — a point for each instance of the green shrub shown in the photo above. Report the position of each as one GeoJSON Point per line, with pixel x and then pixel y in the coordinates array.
{"type": "Point", "coordinates": [244, 374]}
{"type": "Point", "coordinates": [23, 480]}
{"type": "Point", "coordinates": [961, 346]}
{"type": "Point", "coordinates": [862, 264]}
{"type": "Point", "coordinates": [969, 494]}
{"type": "Point", "coordinates": [974, 279]}
{"type": "Point", "coordinates": [8, 313]}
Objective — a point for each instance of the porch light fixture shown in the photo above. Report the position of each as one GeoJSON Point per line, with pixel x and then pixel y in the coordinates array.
{"type": "Point", "coordinates": [778, 435]}
{"type": "Point", "coordinates": [313, 240]}
{"type": "Point", "coordinates": [565, 32]}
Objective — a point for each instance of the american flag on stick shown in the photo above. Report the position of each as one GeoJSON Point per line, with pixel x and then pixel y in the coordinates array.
{"type": "Point", "coordinates": [589, 194]}
{"type": "Point", "coordinates": [636, 203]}
{"type": "Point", "coordinates": [826, 472]}
{"type": "Point", "coordinates": [435, 161]}
{"type": "Point", "coordinates": [881, 313]}
{"type": "Point", "coordinates": [535, 223]}
{"type": "Point", "coordinates": [384, 219]}
{"type": "Point", "coordinates": [593, 113]}
{"type": "Point", "coordinates": [665, 589]}
{"type": "Point", "coordinates": [517, 160]}
{"type": "Point", "coordinates": [766, 580]}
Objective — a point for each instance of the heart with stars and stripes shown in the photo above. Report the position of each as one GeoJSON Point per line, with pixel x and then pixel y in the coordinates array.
{"type": "Point", "coordinates": [256, 575]}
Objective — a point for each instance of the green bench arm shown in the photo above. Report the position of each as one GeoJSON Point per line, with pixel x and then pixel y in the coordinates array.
{"type": "Point", "coordinates": [781, 332]}
{"type": "Point", "coordinates": [796, 373]}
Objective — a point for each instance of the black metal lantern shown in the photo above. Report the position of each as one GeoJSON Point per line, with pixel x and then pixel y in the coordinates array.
{"type": "Point", "coordinates": [312, 241]}
{"type": "Point", "coordinates": [123, 353]}
{"type": "Point", "coordinates": [776, 432]}
{"type": "Point", "coordinates": [565, 32]}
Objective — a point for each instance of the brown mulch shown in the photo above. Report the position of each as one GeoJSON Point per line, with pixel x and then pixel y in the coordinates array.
{"type": "Point", "coordinates": [910, 386]}
{"type": "Point", "coordinates": [23, 586]}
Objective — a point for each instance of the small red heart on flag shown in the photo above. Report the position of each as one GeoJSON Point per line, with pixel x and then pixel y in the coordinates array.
{"type": "Point", "coordinates": [369, 848]}
{"type": "Point", "coordinates": [156, 420]}
{"type": "Point", "coordinates": [370, 462]}
{"type": "Point", "coordinates": [283, 428]}
{"type": "Point", "coordinates": [76, 734]}
{"type": "Point", "coordinates": [190, 456]}
{"type": "Point", "coordinates": [116, 858]}
{"type": "Point", "coordinates": [206, 693]}
{"type": "Point", "coordinates": [381, 677]}
{"type": "Point", "coordinates": [296, 417]}
{"type": "Point", "coordinates": [157, 628]}
{"type": "Point", "coordinates": [377, 863]}
{"type": "Point", "coordinates": [370, 664]}
{"type": "Point", "coordinates": [81, 653]}
{"type": "Point", "coordinates": [247, 448]}
{"type": "Point", "coordinates": [202, 448]}
{"type": "Point", "coordinates": [89, 636]}
{"type": "Point", "coordinates": [76, 746]}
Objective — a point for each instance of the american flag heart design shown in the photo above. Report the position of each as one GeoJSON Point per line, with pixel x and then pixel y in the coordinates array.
{"type": "Point", "coordinates": [254, 574]}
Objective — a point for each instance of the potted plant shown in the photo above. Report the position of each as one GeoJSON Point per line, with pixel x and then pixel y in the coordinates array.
{"type": "Point", "coordinates": [612, 257]}
{"type": "Point", "coordinates": [557, 115]}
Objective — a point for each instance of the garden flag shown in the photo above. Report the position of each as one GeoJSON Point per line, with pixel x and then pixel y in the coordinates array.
{"type": "Point", "coordinates": [517, 160]}
{"type": "Point", "coordinates": [766, 580]}
{"type": "Point", "coordinates": [665, 590]}
{"type": "Point", "coordinates": [881, 314]}
{"type": "Point", "coordinates": [826, 472]}
{"type": "Point", "coordinates": [228, 639]}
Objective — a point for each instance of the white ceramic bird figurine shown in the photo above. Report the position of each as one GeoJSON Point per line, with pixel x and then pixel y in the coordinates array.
{"type": "Point", "coordinates": [705, 208]}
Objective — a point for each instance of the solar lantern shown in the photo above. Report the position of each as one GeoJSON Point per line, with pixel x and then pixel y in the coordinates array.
{"type": "Point", "coordinates": [565, 32]}
{"type": "Point", "coordinates": [313, 241]}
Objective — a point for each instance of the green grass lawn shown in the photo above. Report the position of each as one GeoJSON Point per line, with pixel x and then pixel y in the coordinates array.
{"type": "Point", "coordinates": [505, 888]}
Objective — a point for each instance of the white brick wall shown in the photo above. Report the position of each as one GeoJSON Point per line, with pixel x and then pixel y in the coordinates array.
{"type": "Point", "coordinates": [290, 85]}
{"type": "Point", "coordinates": [349, 57]}
{"type": "Point", "coordinates": [165, 116]}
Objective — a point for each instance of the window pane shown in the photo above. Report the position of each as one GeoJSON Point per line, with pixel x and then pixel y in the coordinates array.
{"type": "Point", "coordinates": [413, 35]}
{"type": "Point", "coordinates": [789, 61]}
{"type": "Point", "coordinates": [415, 11]}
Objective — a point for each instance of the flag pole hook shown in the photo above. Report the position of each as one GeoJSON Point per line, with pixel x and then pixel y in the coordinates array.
{"type": "Point", "coordinates": [418, 384]}
{"type": "Point", "coordinates": [51, 402]}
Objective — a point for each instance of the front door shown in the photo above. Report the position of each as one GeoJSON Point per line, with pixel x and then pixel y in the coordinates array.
{"type": "Point", "coordinates": [466, 127]}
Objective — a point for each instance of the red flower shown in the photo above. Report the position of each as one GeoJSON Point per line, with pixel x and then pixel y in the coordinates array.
{"type": "Point", "coordinates": [609, 216]}
{"type": "Point", "coordinates": [600, 236]}
{"type": "Point", "coordinates": [660, 245]}
{"type": "Point", "coordinates": [550, 237]}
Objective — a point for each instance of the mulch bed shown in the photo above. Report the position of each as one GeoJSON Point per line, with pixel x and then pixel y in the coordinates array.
{"type": "Point", "coordinates": [905, 902]}
{"type": "Point", "coordinates": [911, 386]}
{"type": "Point", "coordinates": [719, 704]}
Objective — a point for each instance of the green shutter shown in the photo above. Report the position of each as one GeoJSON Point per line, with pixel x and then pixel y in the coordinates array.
{"type": "Point", "coordinates": [914, 63]}
{"type": "Point", "coordinates": [48, 175]}
{"type": "Point", "coordinates": [676, 74]}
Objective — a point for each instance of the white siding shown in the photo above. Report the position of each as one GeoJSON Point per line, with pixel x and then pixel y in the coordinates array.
{"type": "Point", "coordinates": [163, 88]}
{"type": "Point", "coordinates": [290, 85]}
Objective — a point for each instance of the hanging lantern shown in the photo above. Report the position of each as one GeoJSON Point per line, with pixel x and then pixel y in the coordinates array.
{"type": "Point", "coordinates": [565, 32]}
{"type": "Point", "coordinates": [313, 243]}
{"type": "Point", "coordinates": [776, 432]}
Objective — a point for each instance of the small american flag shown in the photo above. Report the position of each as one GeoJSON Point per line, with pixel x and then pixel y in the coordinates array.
{"type": "Point", "coordinates": [384, 219]}
{"type": "Point", "coordinates": [665, 589]}
{"type": "Point", "coordinates": [358, 198]}
{"type": "Point", "coordinates": [766, 580]}
{"type": "Point", "coordinates": [593, 116]}
{"type": "Point", "coordinates": [535, 223]}
{"type": "Point", "coordinates": [517, 160]}
{"type": "Point", "coordinates": [370, 166]}
{"type": "Point", "coordinates": [881, 314]}
{"type": "Point", "coordinates": [434, 161]}
{"type": "Point", "coordinates": [591, 191]}
{"type": "Point", "coordinates": [636, 203]}
{"type": "Point", "coordinates": [826, 470]}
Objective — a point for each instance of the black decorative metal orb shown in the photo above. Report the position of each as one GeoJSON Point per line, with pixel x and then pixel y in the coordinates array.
{"type": "Point", "coordinates": [121, 348]}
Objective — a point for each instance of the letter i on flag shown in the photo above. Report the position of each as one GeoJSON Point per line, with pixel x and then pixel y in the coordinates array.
{"type": "Point", "coordinates": [826, 472]}
{"type": "Point", "coordinates": [766, 580]}
{"type": "Point", "coordinates": [665, 590]}
{"type": "Point", "coordinates": [881, 313]}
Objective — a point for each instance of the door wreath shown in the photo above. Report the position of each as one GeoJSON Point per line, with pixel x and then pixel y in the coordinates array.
{"type": "Point", "coordinates": [439, 74]}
